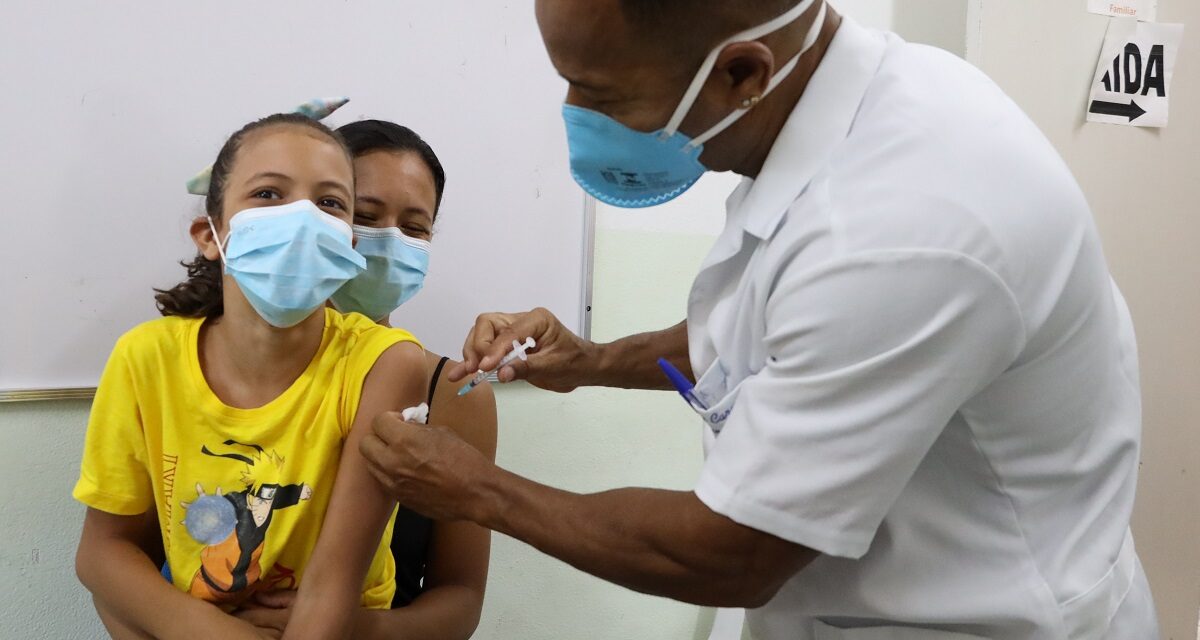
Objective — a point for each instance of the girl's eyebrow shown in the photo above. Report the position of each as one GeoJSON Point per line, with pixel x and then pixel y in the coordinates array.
{"type": "Point", "coordinates": [324, 184]}
{"type": "Point", "coordinates": [270, 174]}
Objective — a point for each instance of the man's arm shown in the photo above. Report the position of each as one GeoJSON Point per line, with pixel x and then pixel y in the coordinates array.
{"type": "Point", "coordinates": [562, 361]}
{"type": "Point", "coordinates": [632, 362]}
{"type": "Point", "coordinates": [665, 543]}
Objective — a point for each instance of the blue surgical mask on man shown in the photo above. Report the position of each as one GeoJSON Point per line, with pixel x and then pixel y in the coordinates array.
{"type": "Point", "coordinates": [396, 268]}
{"type": "Point", "coordinates": [627, 168]}
{"type": "Point", "coordinates": [288, 259]}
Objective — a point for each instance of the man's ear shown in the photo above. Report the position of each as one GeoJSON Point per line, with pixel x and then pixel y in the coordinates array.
{"type": "Point", "coordinates": [744, 70]}
{"type": "Point", "coordinates": [202, 235]}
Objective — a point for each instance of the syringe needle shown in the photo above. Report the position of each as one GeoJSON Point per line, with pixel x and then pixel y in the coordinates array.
{"type": "Point", "coordinates": [518, 352]}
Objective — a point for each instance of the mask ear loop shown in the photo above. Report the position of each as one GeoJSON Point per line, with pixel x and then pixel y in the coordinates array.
{"type": "Point", "coordinates": [217, 239]}
{"type": "Point", "coordinates": [809, 41]}
{"type": "Point", "coordinates": [689, 96]}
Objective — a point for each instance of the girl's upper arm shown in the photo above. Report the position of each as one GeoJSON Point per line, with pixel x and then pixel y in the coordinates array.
{"type": "Point", "coordinates": [396, 382]}
{"type": "Point", "coordinates": [359, 508]}
{"type": "Point", "coordinates": [101, 525]}
{"type": "Point", "coordinates": [100, 530]}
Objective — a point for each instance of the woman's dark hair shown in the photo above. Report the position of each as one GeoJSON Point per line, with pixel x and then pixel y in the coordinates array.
{"type": "Point", "coordinates": [200, 295]}
{"type": "Point", "coordinates": [365, 136]}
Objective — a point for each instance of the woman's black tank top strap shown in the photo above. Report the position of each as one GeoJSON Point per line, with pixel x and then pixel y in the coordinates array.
{"type": "Point", "coordinates": [412, 533]}
{"type": "Point", "coordinates": [437, 373]}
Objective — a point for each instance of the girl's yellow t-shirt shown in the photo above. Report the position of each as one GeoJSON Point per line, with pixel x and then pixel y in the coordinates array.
{"type": "Point", "coordinates": [240, 493]}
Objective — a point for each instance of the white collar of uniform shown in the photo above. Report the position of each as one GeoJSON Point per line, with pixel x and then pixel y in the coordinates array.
{"type": "Point", "coordinates": [820, 121]}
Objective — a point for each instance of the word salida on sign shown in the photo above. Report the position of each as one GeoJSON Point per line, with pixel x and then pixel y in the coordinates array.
{"type": "Point", "coordinates": [1129, 75]}
{"type": "Point", "coordinates": [1132, 82]}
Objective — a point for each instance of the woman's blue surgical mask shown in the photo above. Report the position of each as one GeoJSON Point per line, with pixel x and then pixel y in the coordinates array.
{"type": "Point", "coordinates": [396, 268]}
{"type": "Point", "coordinates": [288, 259]}
{"type": "Point", "coordinates": [627, 168]}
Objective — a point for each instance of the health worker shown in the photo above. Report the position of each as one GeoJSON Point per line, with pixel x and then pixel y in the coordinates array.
{"type": "Point", "coordinates": [918, 382]}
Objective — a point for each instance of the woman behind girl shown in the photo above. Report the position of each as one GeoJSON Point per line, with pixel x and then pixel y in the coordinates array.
{"type": "Point", "coordinates": [441, 568]}
{"type": "Point", "coordinates": [229, 415]}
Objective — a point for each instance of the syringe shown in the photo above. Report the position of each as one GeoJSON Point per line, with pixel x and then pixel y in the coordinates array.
{"type": "Point", "coordinates": [518, 352]}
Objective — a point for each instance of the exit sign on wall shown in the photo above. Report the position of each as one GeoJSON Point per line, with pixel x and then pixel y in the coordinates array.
{"type": "Point", "coordinates": [1133, 77]}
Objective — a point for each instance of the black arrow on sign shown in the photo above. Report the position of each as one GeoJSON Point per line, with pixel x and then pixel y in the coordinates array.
{"type": "Point", "coordinates": [1131, 110]}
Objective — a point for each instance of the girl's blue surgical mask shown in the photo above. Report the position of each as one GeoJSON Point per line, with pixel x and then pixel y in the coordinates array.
{"type": "Point", "coordinates": [396, 268]}
{"type": "Point", "coordinates": [288, 259]}
{"type": "Point", "coordinates": [627, 168]}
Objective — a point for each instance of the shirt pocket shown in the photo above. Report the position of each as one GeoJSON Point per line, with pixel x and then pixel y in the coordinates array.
{"type": "Point", "coordinates": [822, 631]}
{"type": "Point", "coordinates": [718, 394]}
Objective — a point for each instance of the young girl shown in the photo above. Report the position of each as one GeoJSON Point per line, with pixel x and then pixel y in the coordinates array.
{"type": "Point", "coordinates": [441, 568]}
{"type": "Point", "coordinates": [228, 416]}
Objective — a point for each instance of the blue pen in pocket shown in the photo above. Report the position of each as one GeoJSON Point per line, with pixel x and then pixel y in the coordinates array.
{"type": "Point", "coordinates": [682, 385]}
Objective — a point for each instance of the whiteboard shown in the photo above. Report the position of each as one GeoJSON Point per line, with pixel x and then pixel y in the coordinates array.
{"type": "Point", "coordinates": [109, 107]}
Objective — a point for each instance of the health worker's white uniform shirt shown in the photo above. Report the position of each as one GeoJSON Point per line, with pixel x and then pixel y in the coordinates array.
{"type": "Point", "coordinates": [916, 363]}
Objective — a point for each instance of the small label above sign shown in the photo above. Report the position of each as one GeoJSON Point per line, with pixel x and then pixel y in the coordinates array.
{"type": "Point", "coordinates": [1145, 10]}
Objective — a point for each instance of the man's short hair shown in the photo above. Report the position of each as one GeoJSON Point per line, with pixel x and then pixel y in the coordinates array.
{"type": "Point", "coordinates": [695, 26]}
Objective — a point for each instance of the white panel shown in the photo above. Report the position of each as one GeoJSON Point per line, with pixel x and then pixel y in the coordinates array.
{"type": "Point", "coordinates": [111, 106]}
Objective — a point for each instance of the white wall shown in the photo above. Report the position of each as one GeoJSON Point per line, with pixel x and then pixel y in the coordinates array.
{"type": "Point", "coordinates": [941, 23]}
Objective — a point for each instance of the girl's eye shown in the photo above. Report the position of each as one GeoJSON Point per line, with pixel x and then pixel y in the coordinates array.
{"type": "Point", "coordinates": [332, 203]}
{"type": "Point", "coordinates": [267, 194]}
{"type": "Point", "coordinates": [415, 232]}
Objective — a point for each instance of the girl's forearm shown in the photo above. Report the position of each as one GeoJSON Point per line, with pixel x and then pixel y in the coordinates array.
{"type": "Point", "coordinates": [447, 612]}
{"type": "Point", "coordinates": [117, 628]}
{"type": "Point", "coordinates": [331, 592]}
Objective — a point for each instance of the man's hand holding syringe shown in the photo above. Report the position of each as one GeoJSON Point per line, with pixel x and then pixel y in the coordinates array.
{"type": "Point", "coordinates": [562, 361]}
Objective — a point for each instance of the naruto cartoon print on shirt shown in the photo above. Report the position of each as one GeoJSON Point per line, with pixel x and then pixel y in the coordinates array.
{"type": "Point", "coordinates": [233, 526]}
